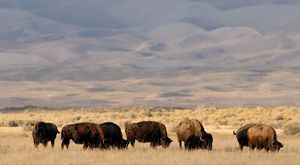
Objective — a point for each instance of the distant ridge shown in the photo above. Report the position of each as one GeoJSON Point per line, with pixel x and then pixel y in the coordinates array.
{"type": "Point", "coordinates": [139, 52]}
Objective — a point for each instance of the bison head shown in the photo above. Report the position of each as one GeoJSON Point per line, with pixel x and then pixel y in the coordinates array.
{"type": "Point", "coordinates": [276, 145]}
{"type": "Point", "coordinates": [193, 142]}
{"type": "Point", "coordinates": [123, 144]}
{"type": "Point", "coordinates": [207, 140]}
{"type": "Point", "coordinates": [166, 142]}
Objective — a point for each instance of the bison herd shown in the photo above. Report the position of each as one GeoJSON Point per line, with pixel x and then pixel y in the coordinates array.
{"type": "Point", "coordinates": [190, 131]}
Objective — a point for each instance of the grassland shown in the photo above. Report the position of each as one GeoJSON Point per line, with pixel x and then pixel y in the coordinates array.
{"type": "Point", "coordinates": [16, 146]}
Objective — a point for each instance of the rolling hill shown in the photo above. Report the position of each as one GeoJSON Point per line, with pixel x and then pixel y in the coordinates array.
{"type": "Point", "coordinates": [182, 52]}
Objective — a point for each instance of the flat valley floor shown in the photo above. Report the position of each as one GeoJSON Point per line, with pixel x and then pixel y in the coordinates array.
{"type": "Point", "coordinates": [16, 144]}
{"type": "Point", "coordinates": [16, 147]}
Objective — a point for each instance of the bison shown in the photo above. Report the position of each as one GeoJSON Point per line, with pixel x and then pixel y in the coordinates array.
{"type": "Point", "coordinates": [193, 134]}
{"type": "Point", "coordinates": [89, 134]}
{"type": "Point", "coordinates": [43, 132]}
{"type": "Point", "coordinates": [113, 136]}
{"type": "Point", "coordinates": [241, 135]}
{"type": "Point", "coordinates": [148, 131]}
{"type": "Point", "coordinates": [263, 136]}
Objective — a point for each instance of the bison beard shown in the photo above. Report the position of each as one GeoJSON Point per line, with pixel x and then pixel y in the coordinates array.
{"type": "Point", "coordinates": [193, 143]}
{"type": "Point", "coordinates": [89, 134]}
{"type": "Point", "coordinates": [43, 132]}
{"type": "Point", "coordinates": [148, 131]}
{"type": "Point", "coordinates": [207, 141]}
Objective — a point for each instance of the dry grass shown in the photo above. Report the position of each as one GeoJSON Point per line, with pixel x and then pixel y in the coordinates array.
{"type": "Point", "coordinates": [212, 117]}
{"type": "Point", "coordinates": [16, 146]}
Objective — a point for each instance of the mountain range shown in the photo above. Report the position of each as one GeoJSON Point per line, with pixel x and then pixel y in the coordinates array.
{"type": "Point", "coordinates": [195, 51]}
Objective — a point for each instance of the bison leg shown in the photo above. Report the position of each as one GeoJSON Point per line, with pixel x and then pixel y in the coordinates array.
{"type": "Point", "coordinates": [105, 144]}
{"type": "Point", "coordinates": [123, 144]}
{"type": "Point", "coordinates": [261, 146]}
{"type": "Point", "coordinates": [85, 146]}
{"type": "Point", "coordinates": [188, 145]}
{"type": "Point", "coordinates": [180, 144]}
{"type": "Point", "coordinates": [132, 142]}
{"type": "Point", "coordinates": [251, 147]}
{"type": "Point", "coordinates": [65, 143]}
{"type": "Point", "coordinates": [36, 144]}
{"type": "Point", "coordinates": [52, 143]}
{"type": "Point", "coordinates": [102, 145]}
{"type": "Point", "coordinates": [153, 145]}
{"type": "Point", "coordinates": [62, 145]}
{"type": "Point", "coordinates": [267, 149]}
{"type": "Point", "coordinates": [241, 147]}
{"type": "Point", "coordinates": [45, 144]}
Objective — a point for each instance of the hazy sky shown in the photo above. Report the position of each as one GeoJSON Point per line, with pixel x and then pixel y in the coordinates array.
{"type": "Point", "coordinates": [35, 32]}
{"type": "Point", "coordinates": [263, 15]}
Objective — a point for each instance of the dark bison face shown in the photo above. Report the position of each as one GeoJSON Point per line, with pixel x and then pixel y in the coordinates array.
{"type": "Point", "coordinates": [193, 142]}
{"type": "Point", "coordinates": [166, 142]}
{"type": "Point", "coordinates": [207, 140]}
{"type": "Point", "coordinates": [123, 144]}
{"type": "Point", "coordinates": [276, 146]}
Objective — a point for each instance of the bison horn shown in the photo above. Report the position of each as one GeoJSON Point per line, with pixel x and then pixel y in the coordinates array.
{"type": "Point", "coordinates": [202, 139]}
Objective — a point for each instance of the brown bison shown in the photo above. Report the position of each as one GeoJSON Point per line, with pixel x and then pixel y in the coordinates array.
{"type": "Point", "coordinates": [263, 136]}
{"type": "Point", "coordinates": [193, 134]}
{"type": "Point", "coordinates": [113, 136]}
{"type": "Point", "coordinates": [43, 132]}
{"type": "Point", "coordinates": [241, 135]}
{"type": "Point", "coordinates": [89, 134]}
{"type": "Point", "coordinates": [148, 131]}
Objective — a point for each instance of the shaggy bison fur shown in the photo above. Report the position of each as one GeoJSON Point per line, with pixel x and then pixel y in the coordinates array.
{"type": "Point", "coordinates": [43, 132]}
{"type": "Point", "coordinates": [89, 134]}
{"type": "Point", "coordinates": [148, 131]}
{"type": "Point", "coordinates": [113, 136]}
{"type": "Point", "coordinates": [193, 134]}
{"type": "Point", "coordinates": [263, 136]}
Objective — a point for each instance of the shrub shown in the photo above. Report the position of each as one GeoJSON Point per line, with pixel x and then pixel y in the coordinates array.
{"type": "Point", "coordinates": [2, 124]}
{"type": "Point", "coordinates": [278, 117]}
{"type": "Point", "coordinates": [29, 123]}
{"type": "Point", "coordinates": [133, 115]}
{"type": "Point", "coordinates": [76, 118]}
{"type": "Point", "coordinates": [148, 114]}
{"type": "Point", "coordinates": [13, 123]}
{"type": "Point", "coordinates": [27, 128]}
{"type": "Point", "coordinates": [292, 128]}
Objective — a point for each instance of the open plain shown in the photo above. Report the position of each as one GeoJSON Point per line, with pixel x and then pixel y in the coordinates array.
{"type": "Point", "coordinates": [16, 145]}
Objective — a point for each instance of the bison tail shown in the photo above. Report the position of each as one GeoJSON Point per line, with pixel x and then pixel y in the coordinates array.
{"type": "Point", "coordinates": [234, 133]}
{"type": "Point", "coordinates": [57, 131]}
{"type": "Point", "coordinates": [62, 135]}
